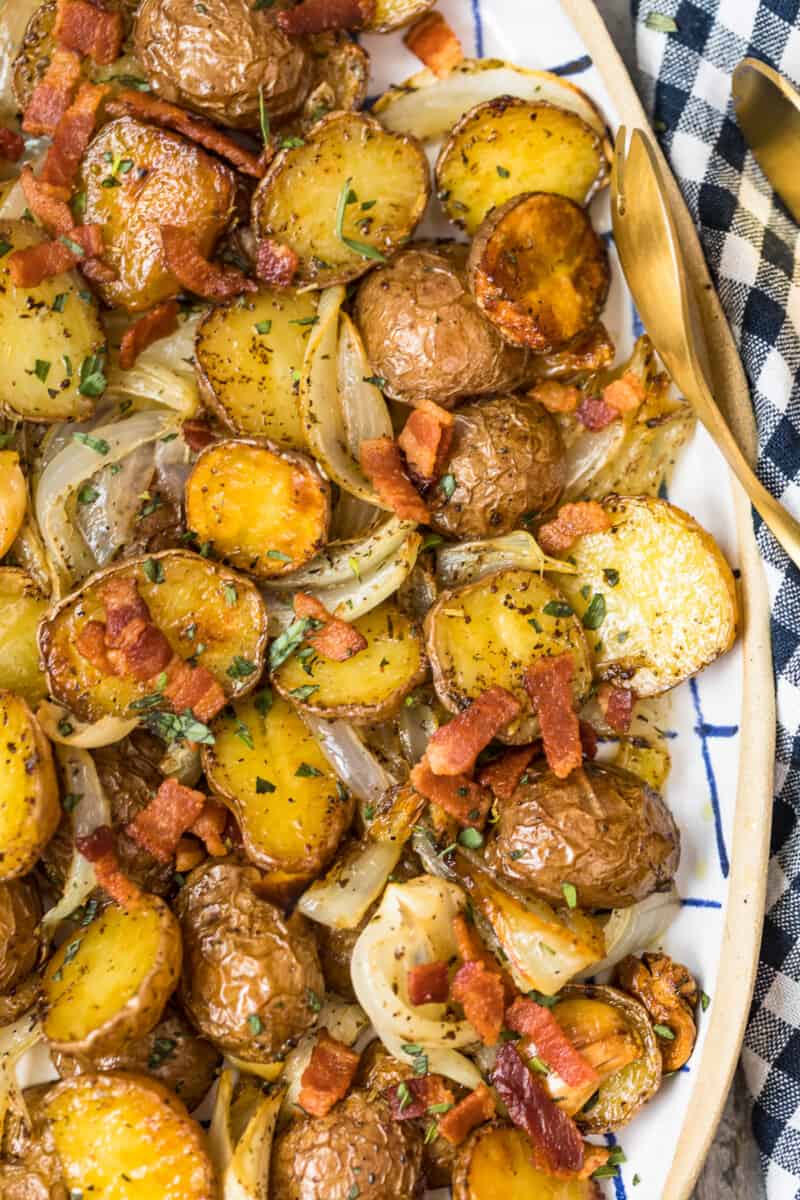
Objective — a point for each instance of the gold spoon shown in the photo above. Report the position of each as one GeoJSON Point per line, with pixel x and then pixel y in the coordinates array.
{"type": "Point", "coordinates": [768, 110]}
{"type": "Point", "coordinates": [649, 250]}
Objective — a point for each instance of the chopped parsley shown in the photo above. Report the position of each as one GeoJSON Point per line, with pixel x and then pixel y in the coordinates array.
{"type": "Point", "coordinates": [314, 1002]}
{"type": "Point", "coordinates": [447, 485]}
{"type": "Point", "coordinates": [279, 555]}
{"type": "Point", "coordinates": [263, 786]}
{"type": "Point", "coordinates": [596, 612]}
{"type": "Point", "coordinates": [244, 734]}
{"type": "Point", "coordinates": [471, 838]}
{"type": "Point", "coordinates": [230, 594]}
{"type": "Point", "coordinates": [162, 1050]}
{"type": "Point", "coordinates": [705, 1000]}
{"type": "Point", "coordinates": [611, 576]}
{"type": "Point", "coordinates": [664, 1032]}
{"type": "Point", "coordinates": [538, 1065]}
{"type": "Point", "coordinates": [263, 326]}
{"type": "Point", "coordinates": [570, 894]}
{"type": "Point", "coordinates": [347, 197]}
{"type": "Point", "coordinates": [289, 641]}
{"type": "Point", "coordinates": [661, 23]}
{"type": "Point", "coordinates": [306, 771]}
{"type": "Point", "coordinates": [304, 693]}
{"type": "Point", "coordinates": [557, 608]}
{"type": "Point", "coordinates": [153, 570]}
{"type": "Point", "coordinates": [503, 172]}
{"type": "Point", "coordinates": [99, 445]}
{"type": "Point", "coordinates": [5, 247]}
{"type": "Point", "coordinates": [255, 1023]}
{"type": "Point", "coordinates": [87, 494]}
{"type": "Point", "coordinates": [71, 801]}
{"type": "Point", "coordinates": [92, 380]}
{"type": "Point", "coordinates": [179, 727]}
{"type": "Point", "coordinates": [241, 668]}
{"type": "Point", "coordinates": [60, 302]}
{"type": "Point", "coordinates": [263, 701]}
{"type": "Point", "coordinates": [263, 115]}
{"type": "Point", "coordinates": [377, 381]}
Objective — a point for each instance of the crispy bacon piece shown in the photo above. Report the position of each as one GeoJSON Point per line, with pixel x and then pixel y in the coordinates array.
{"type": "Point", "coordinates": [625, 394]}
{"type": "Point", "coordinates": [97, 271]}
{"type": "Point", "coordinates": [52, 95]}
{"type": "Point", "coordinates": [435, 44]}
{"type": "Point", "coordinates": [30, 266]}
{"type": "Point", "coordinates": [556, 397]}
{"type": "Point", "coordinates": [12, 145]}
{"type": "Point", "coordinates": [588, 739]}
{"type": "Point", "coordinates": [276, 264]}
{"type": "Point", "coordinates": [549, 685]}
{"type": "Point", "coordinates": [72, 135]}
{"type": "Point", "coordinates": [593, 1157]}
{"type": "Point", "coordinates": [46, 202]}
{"type": "Point", "coordinates": [194, 688]}
{"type": "Point", "coordinates": [425, 440]}
{"type": "Point", "coordinates": [471, 948]}
{"type": "Point", "coordinates": [464, 800]}
{"type": "Point", "coordinates": [91, 643]}
{"type": "Point", "coordinates": [336, 640]}
{"type": "Point", "coordinates": [315, 16]}
{"type": "Point", "coordinates": [381, 463]}
{"type": "Point", "coordinates": [454, 747]}
{"type": "Point", "coordinates": [468, 1114]}
{"type": "Point", "coordinates": [197, 435]}
{"type": "Point", "coordinates": [89, 30]}
{"type": "Point", "coordinates": [428, 983]}
{"type": "Point", "coordinates": [210, 826]}
{"type": "Point", "coordinates": [159, 322]}
{"type": "Point", "coordinates": [553, 1046]}
{"type": "Point", "coordinates": [129, 103]}
{"type": "Point", "coordinates": [140, 650]}
{"type": "Point", "coordinates": [530, 1107]}
{"type": "Point", "coordinates": [328, 1075]}
{"type": "Point", "coordinates": [196, 273]}
{"type": "Point", "coordinates": [100, 849]}
{"type": "Point", "coordinates": [123, 604]}
{"type": "Point", "coordinates": [572, 521]}
{"type": "Point", "coordinates": [594, 413]}
{"type": "Point", "coordinates": [413, 1097]}
{"type": "Point", "coordinates": [160, 825]}
{"type": "Point", "coordinates": [502, 777]}
{"type": "Point", "coordinates": [616, 704]}
{"type": "Point", "coordinates": [480, 993]}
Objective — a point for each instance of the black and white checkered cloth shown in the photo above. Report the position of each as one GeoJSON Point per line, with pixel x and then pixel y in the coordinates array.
{"type": "Point", "coordinates": [752, 248]}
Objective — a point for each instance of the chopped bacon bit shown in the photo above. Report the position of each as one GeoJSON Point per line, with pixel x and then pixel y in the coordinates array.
{"type": "Point", "coordinates": [572, 521]}
{"type": "Point", "coordinates": [464, 800]}
{"type": "Point", "coordinates": [276, 264]}
{"type": "Point", "coordinates": [195, 272]}
{"type": "Point", "coordinates": [97, 271]}
{"type": "Point", "coordinates": [188, 854]}
{"type": "Point", "coordinates": [502, 777]}
{"type": "Point", "coordinates": [556, 397]}
{"type": "Point", "coordinates": [159, 322]}
{"type": "Point", "coordinates": [194, 688]}
{"type": "Point", "coordinates": [315, 16]}
{"type": "Point", "coordinates": [197, 435]}
{"type": "Point", "coordinates": [616, 704]}
{"type": "Point", "coordinates": [471, 948]}
{"type": "Point", "coordinates": [72, 135]}
{"type": "Point", "coordinates": [160, 825]}
{"type": "Point", "coordinates": [210, 826]}
{"type": "Point", "coordinates": [336, 640]}
{"type": "Point", "coordinates": [52, 95]}
{"type": "Point", "coordinates": [328, 1075]}
{"type": "Point", "coordinates": [468, 1114]}
{"type": "Point", "coordinates": [413, 1097]}
{"type": "Point", "coordinates": [588, 739]}
{"type": "Point", "coordinates": [480, 992]}
{"type": "Point", "coordinates": [553, 1046]}
{"type": "Point", "coordinates": [453, 748]}
{"type": "Point", "coordinates": [625, 394]}
{"type": "Point", "coordinates": [381, 463]}
{"type": "Point", "coordinates": [549, 685]}
{"type": "Point", "coordinates": [593, 1157]}
{"type": "Point", "coordinates": [129, 103]}
{"type": "Point", "coordinates": [428, 983]}
{"type": "Point", "coordinates": [530, 1107]}
{"type": "Point", "coordinates": [91, 643]}
{"type": "Point", "coordinates": [89, 30]}
{"type": "Point", "coordinates": [29, 267]}
{"type": "Point", "coordinates": [123, 604]}
{"type": "Point", "coordinates": [594, 414]}
{"type": "Point", "coordinates": [46, 202]}
{"type": "Point", "coordinates": [142, 650]}
{"type": "Point", "coordinates": [425, 440]}
{"type": "Point", "coordinates": [435, 44]}
{"type": "Point", "coordinates": [12, 145]}
{"type": "Point", "coordinates": [100, 850]}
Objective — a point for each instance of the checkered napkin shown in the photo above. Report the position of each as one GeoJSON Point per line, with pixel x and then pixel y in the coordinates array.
{"type": "Point", "coordinates": [752, 247]}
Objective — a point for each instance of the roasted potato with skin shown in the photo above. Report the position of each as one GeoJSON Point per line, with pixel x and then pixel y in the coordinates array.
{"type": "Point", "coordinates": [38, 382]}
{"type": "Point", "coordinates": [251, 979]}
{"type": "Point", "coordinates": [171, 1052]}
{"type": "Point", "coordinates": [313, 198]}
{"type": "Point", "coordinates": [30, 1168]}
{"type": "Point", "coordinates": [264, 510]}
{"type": "Point", "coordinates": [506, 461]}
{"type": "Point", "coordinates": [424, 335]}
{"type": "Point", "coordinates": [21, 608]}
{"type": "Point", "coordinates": [291, 809]}
{"type": "Point", "coordinates": [393, 14]}
{"type": "Point", "coordinates": [193, 601]}
{"type": "Point", "coordinates": [507, 146]}
{"type": "Point", "coordinates": [368, 687]}
{"type": "Point", "coordinates": [109, 982]}
{"type": "Point", "coordinates": [601, 829]}
{"type": "Point", "coordinates": [668, 595]}
{"type": "Point", "coordinates": [20, 913]}
{"type": "Point", "coordinates": [358, 1145]}
{"type": "Point", "coordinates": [497, 1160]}
{"type": "Point", "coordinates": [163, 180]}
{"type": "Point", "coordinates": [539, 272]}
{"type": "Point", "coordinates": [489, 632]}
{"type": "Point", "coordinates": [29, 800]}
{"type": "Point", "coordinates": [220, 77]}
{"type": "Point", "coordinates": [248, 353]}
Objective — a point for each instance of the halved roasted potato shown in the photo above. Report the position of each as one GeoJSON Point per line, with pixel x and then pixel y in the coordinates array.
{"type": "Point", "coordinates": [667, 598]}
{"type": "Point", "coordinates": [126, 1137]}
{"type": "Point", "coordinates": [21, 608]}
{"type": "Point", "coordinates": [208, 613]}
{"type": "Point", "coordinates": [109, 983]}
{"type": "Point", "coordinates": [489, 632]}
{"type": "Point", "coordinates": [268, 768]}
{"type": "Point", "coordinates": [29, 800]}
{"type": "Point", "coordinates": [372, 684]}
{"type": "Point", "coordinates": [262, 509]}
{"type": "Point", "coordinates": [507, 146]}
{"type": "Point", "coordinates": [163, 180]}
{"type": "Point", "coordinates": [392, 14]}
{"type": "Point", "coordinates": [20, 913]}
{"type": "Point", "coordinates": [345, 199]}
{"type": "Point", "coordinates": [249, 354]}
{"type": "Point", "coordinates": [497, 1160]}
{"type": "Point", "coordinates": [38, 381]}
{"type": "Point", "coordinates": [539, 271]}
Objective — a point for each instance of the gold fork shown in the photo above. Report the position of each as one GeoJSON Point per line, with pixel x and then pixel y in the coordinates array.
{"type": "Point", "coordinates": [648, 247]}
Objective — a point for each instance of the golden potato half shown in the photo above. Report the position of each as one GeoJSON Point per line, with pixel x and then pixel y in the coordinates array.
{"type": "Point", "coordinates": [29, 800]}
{"type": "Point", "coordinates": [667, 598]}
{"type": "Point", "coordinates": [497, 1161]}
{"type": "Point", "coordinates": [21, 608]}
{"type": "Point", "coordinates": [264, 510]}
{"type": "Point", "coordinates": [125, 1137]}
